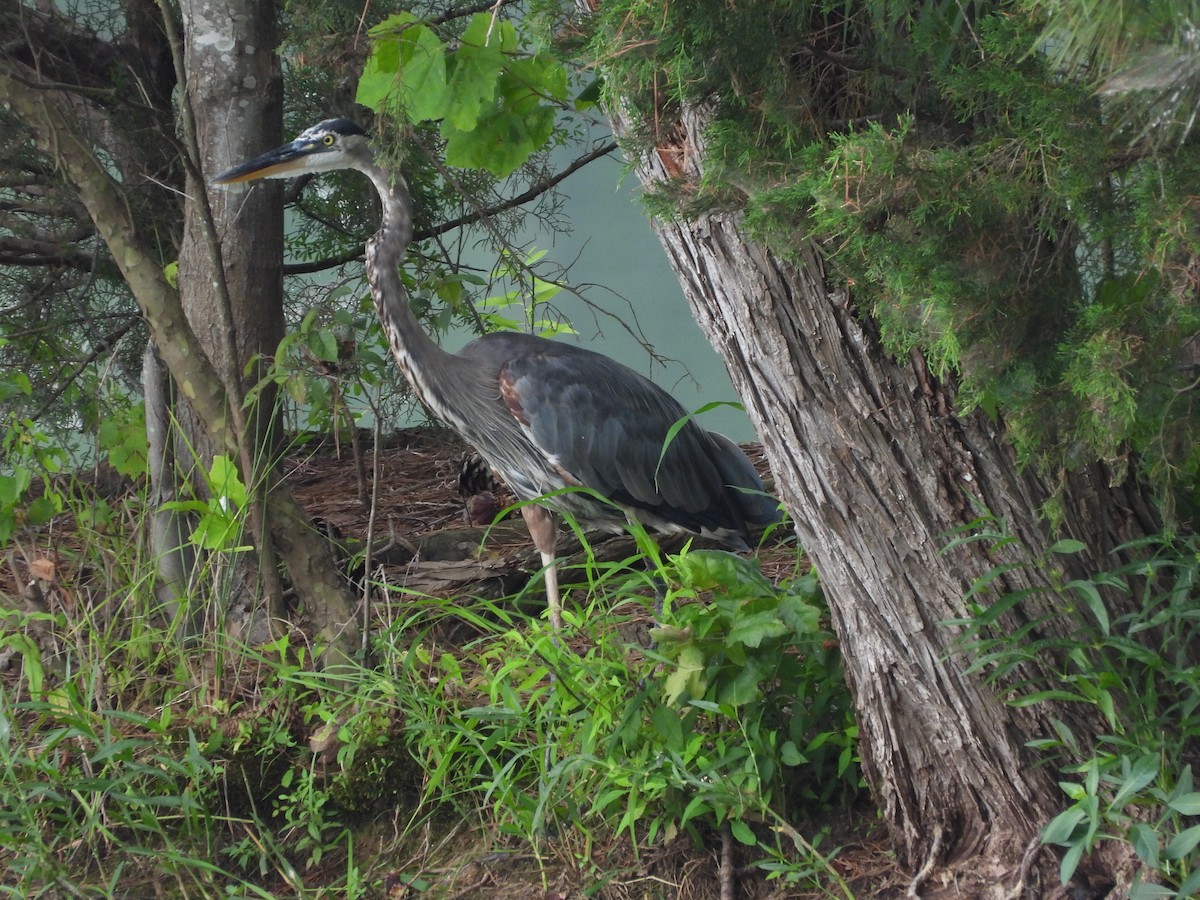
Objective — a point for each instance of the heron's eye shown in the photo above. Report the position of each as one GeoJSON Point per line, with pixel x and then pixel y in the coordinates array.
{"type": "Point", "coordinates": [328, 140]}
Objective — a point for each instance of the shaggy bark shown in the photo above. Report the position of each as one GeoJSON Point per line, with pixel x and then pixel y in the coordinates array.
{"type": "Point", "coordinates": [876, 469]}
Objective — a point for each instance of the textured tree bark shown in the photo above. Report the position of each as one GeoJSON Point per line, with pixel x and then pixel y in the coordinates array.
{"type": "Point", "coordinates": [235, 108]}
{"type": "Point", "coordinates": [232, 290]}
{"type": "Point", "coordinates": [876, 468]}
{"type": "Point", "coordinates": [231, 282]}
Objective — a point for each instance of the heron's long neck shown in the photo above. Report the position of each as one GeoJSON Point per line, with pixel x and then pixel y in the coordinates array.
{"type": "Point", "coordinates": [417, 355]}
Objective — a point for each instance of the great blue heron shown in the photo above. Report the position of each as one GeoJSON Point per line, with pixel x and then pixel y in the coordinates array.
{"type": "Point", "coordinates": [544, 415]}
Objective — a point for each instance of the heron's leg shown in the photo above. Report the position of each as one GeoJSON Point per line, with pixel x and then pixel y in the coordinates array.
{"type": "Point", "coordinates": [543, 530]}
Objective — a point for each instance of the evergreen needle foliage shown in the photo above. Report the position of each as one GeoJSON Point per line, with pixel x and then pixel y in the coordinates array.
{"type": "Point", "coordinates": [977, 200]}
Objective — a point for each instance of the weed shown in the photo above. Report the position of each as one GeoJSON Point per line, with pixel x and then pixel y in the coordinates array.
{"type": "Point", "coordinates": [1136, 783]}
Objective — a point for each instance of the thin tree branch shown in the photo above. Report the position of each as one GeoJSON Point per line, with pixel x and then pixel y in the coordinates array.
{"type": "Point", "coordinates": [103, 346]}
{"type": "Point", "coordinates": [481, 214]}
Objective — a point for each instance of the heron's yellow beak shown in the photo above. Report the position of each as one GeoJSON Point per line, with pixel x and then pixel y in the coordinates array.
{"type": "Point", "coordinates": [282, 162]}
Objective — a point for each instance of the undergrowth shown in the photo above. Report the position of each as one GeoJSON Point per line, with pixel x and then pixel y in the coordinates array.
{"type": "Point", "coordinates": [136, 759]}
{"type": "Point", "coordinates": [1134, 783]}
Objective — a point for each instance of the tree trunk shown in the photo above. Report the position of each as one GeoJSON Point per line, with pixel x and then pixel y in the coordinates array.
{"type": "Point", "coordinates": [876, 469]}
{"type": "Point", "coordinates": [231, 281]}
{"type": "Point", "coordinates": [232, 291]}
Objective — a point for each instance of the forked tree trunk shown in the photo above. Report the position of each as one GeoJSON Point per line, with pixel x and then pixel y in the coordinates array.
{"type": "Point", "coordinates": [52, 114]}
{"type": "Point", "coordinates": [876, 468]}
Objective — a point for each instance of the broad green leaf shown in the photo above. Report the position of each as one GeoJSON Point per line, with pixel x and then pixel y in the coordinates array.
{"type": "Point", "coordinates": [323, 345]}
{"type": "Point", "coordinates": [743, 688]}
{"type": "Point", "coordinates": [378, 79]}
{"type": "Point", "coordinates": [1188, 804]}
{"type": "Point", "coordinates": [41, 510]}
{"type": "Point", "coordinates": [1070, 862]}
{"type": "Point", "coordinates": [709, 569]}
{"type": "Point", "coordinates": [1144, 771]}
{"type": "Point", "coordinates": [393, 25]}
{"type": "Point", "coordinates": [424, 89]}
{"type": "Point", "coordinates": [218, 533]}
{"type": "Point", "coordinates": [790, 755]}
{"type": "Point", "coordinates": [752, 630]}
{"type": "Point", "coordinates": [225, 481]}
{"type": "Point", "coordinates": [590, 95]}
{"type": "Point", "coordinates": [687, 677]}
{"type": "Point", "coordinates": [474, 75]}
{"type": "Point", "coordinates": [16, 383]}
{"type": "Point", "coordinates": [799, 615]}
{"type": "Point", "coordinates": [531, 79]}
{"type": "Point", "coordinates": [31, 661]}
{"type": "Point", "coordinates": [1191, 885]}
{"type": "Point", "coordinates": [1183, 843]}
{"type": "Point", "coordinates": [1145, 844]}
{"type": "Point", "coordinates": [1062, 826]}
{"type": "Point", "coordinates": [743, 832]}
{"type": "Point", "coordinates": [665, 721]}
{"type": "Point", "coordinates": [497, 140]}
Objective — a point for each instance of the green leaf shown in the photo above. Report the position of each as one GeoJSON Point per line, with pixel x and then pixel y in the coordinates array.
{"type": "Point", "coordinates": [1040, 696]}
{"type": "Point", "coordinates": [1067, 545]}
{"type": "Point", "coordinates": [41, 510]}
{"type": "Point", "coordinates": [1144, 840]}
{"type": "Point", "coordinates": [323, 345]}
{"type": "Point", "coordinates": [1095, 603]}
{"type": "Point", "coordinates": [1188, 804]}
{"type": "Point", "coordinates": [790, 755]}
{"type": "Point", "coordinates": [16, 383]}
{"type": "Point", "coordinates": [1183, 843]}
{"type": "Point", "coordinates": [1144, 771]}
{"type": "Point", "coordinates": [687, 678]}
{"type": "Point", "coordinates": [743, 833]}
{"type": "Point", "coordinates": [225, 481]}
{"type": "Point", "coordinates": [743, 688]}
{"type": "Point", "coordinates": [1062, 826]}
{"type": "Point", "coordinates": [799, 615]}
{"type": "Point", "coordinates": [696, 806]}
{"type": "Point", "coordinates": [665, 722]}
{"type": "Point", "coordinates": [496, 140]}
{"type": "Point", "coordinates": [475, 71]}
{"type": "Point", "coordinates": [217, 532]}
{"type": "Point", "coordinates": [590, 95]}
{"type": "Point", "coordinates": [424, 90]}
{"type": "Point", "coordinates": [378, 79]}
{"type": "Point", "coordinates": [705, 570]}
{"type": "Point", "coordinates": [1151, 892]}
{"type": "Point", "coordinates": [1190, 886]}
{"type": "Point", "coordinates": [1070, 862]}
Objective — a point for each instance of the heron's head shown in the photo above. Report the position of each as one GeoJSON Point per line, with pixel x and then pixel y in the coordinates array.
{"type": "Point", "coordinates": [326, 146]}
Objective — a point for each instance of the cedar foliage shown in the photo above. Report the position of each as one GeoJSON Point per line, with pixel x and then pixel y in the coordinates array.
{"type": "Point", "coordinates": [981, 202]}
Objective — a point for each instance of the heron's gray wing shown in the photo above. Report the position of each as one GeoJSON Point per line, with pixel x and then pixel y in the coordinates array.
{"type": "Point", "coordinates": [606, 426]}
